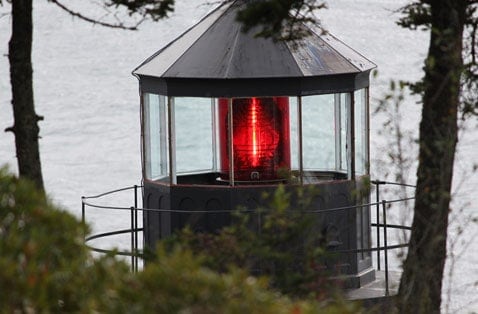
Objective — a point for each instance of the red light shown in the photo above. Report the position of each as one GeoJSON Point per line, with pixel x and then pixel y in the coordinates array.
{"type": "Point", "coordinates": [260, 137]}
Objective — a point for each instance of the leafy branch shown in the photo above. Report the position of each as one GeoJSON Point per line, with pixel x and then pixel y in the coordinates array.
{"type": "Point", "coordinates": [418, 15]}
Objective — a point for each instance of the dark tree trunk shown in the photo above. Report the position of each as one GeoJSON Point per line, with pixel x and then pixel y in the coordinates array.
{"type": "Point", "coordinates": [421, 284]}
{"type": "Point", "coordinates": [25, 127]}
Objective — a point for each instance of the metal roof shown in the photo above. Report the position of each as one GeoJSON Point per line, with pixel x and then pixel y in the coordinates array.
{"type": "Point", "coordinates": [214, 58]}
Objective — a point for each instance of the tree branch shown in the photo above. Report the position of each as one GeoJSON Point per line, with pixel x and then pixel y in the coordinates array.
{"type": "Point", "coordinates": [10, 129]}
{"type": "Point", "coordinates": [94, 21]}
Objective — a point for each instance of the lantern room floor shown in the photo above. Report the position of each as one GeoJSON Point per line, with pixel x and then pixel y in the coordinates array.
{"type": "Point", "coordinates": [214, 178]}
{"type": "Point", "coordinates": [375, 291]}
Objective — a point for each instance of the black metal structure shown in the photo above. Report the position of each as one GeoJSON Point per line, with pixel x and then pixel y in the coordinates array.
{"type": "Point", "coordinates": [207, 208]}
{"type": "Point", "coordinates": [136, 248]}
{"type": "Point", "coordinates": [216, 60]}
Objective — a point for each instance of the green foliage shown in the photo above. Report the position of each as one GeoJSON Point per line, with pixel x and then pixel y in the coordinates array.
{"type": "Point", "coordinates": [47, 268]}
{"type": "Point", "coordinates": [41, 249]}
{"type": "Point", "coordinates": [154, 9]}
{"type": "Point", "coordinates": [280, 242]}
{"type": "Point", "coordinates": [416, 15]}
{"type": "Point", "coordinates": [179, 282]}
{"type": "Point", "coordinates": [277, 19]}
{"type": "Point", "coordinates": [45, 265]}
{"type": "Point", "coordinates": [280, 19]}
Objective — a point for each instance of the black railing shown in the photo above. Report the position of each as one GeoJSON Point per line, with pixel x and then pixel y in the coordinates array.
{"type": "Point", "coordinates": [136, 253]}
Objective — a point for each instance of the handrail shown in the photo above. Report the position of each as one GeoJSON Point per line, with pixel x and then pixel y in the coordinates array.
{"type": "Point", "coordinates": [111, 233]}
{"type": "Point", "coordinates": [220, 211]}
{"type": "Point", "coordinates": [107, 234]}
{"type": "Point", "coordinates": [135, 253]}
{"type": "Point", "coordinates": [112, 192]}
{"type": "Point", "coordinates": [378, 182]}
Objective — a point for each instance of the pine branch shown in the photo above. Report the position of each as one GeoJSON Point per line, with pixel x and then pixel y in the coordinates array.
{"type": "Point", "coordinates": [280, 19]}
{"type": "Point", "coordinates": [154, 9]}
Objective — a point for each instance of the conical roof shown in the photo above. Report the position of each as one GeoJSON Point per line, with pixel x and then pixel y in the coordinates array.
{"type": "Point", "coordinates": [215, 58]}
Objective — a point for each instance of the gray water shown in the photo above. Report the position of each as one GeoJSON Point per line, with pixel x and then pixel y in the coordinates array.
{"type": "Point", "coordinates": [90, 136]}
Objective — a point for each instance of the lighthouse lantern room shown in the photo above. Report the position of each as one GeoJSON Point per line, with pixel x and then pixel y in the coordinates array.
{"type": "Point", "coordinates": [226, 117]}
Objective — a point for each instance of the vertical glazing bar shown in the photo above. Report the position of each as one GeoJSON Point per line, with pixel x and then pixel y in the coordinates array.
{"type": "Point", "coordinates": [172, 141]}
{"type": "Point", "coordinates": [163, 133]}
{"type": "Point", "coordinates": [384, 208]}
{"type": "Point", "coordinates": [378, 223]}
{"type": "Point", "coordinates": [352, 137]}
{"type": "Point", "coordinates": [143, 139]}
{"type": "Point", "coordinates": [338, 132]}
{"type": "Point", "coordinates": [214, 134]}
{"type": "Point", "coordinates": [299, 140]}
{"type": "Point", "coordinates": [367, 129]}
{"type": "Point", "coordinates": [230, 143]}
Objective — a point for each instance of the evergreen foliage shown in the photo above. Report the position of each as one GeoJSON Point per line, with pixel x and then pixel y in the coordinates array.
{"type": "Point", "coordinates": [47, 268]}
{"type": "Point", "coordinates": [153, 9]}
{"type": "Point", "coordinates": [280, 19]}
{"type": "Point", "coordinates": [278, 241]}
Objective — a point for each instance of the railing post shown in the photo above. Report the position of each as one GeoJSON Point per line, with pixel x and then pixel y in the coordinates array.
{"type": "Point", "coordinates": [132, 238]}
{"type": "Point", "coordinates": [377, 198]}
{"type": "Point", "coordinates": [136, 227]}
{"type": "Point", "coordinates": [377, 184]}
{"type": "Point", "coordinates": [384, 207]}
{"type": "Point", "coordinates": [83, 209]}
{"type": "Point", "coordinates": [83, 214]}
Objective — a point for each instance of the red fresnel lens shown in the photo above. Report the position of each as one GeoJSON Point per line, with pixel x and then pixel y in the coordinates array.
{"type": "Point", "coordinates": [261, 141]}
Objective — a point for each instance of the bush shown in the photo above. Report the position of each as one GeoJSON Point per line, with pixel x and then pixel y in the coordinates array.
{"type": "Point", "coordinates": [279, 241]}
{"type": "Point", "coordinates": [42, 251]}
{"type": "Point", "coordinates": [45, 267]}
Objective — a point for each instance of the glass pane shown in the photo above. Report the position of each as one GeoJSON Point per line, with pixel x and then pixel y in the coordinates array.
{"type": "Point", "coordinates": [344, 114]}
{"type": "Point", "coordinates": [318, 132]}
{"type": "Point", "coordinates": [361, 145]}
{"type": "Point", "coordinates": [260, 140]}
{"type": "Point", "coordinates": [294, 136]}
{"type": "Point", "coordinates": [194, 132]}
{"type": "Point", "coordinates": [155, 136]}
